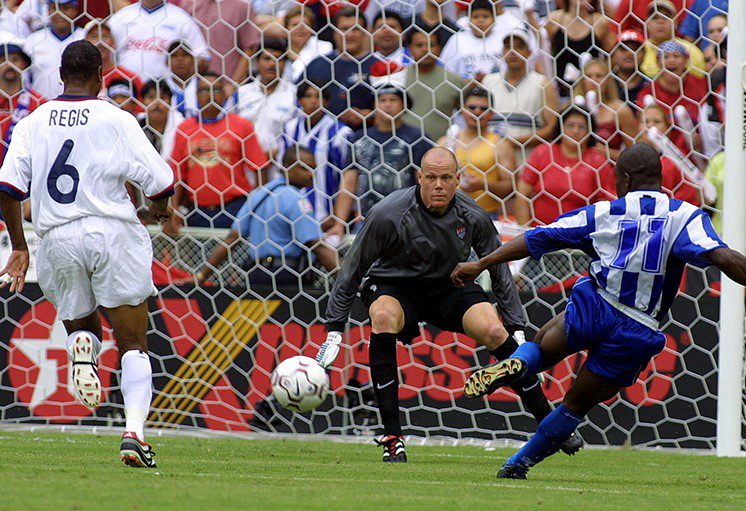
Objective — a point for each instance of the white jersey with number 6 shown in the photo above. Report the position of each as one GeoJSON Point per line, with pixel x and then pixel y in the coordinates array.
{"type": "Point", "coordinates": [73, 155]}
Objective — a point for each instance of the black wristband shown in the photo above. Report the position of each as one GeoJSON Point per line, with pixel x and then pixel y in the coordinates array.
{"type": "Point", "coordinates": [514, 328]}
{"type": "Point", "coordinates": [335, 326]}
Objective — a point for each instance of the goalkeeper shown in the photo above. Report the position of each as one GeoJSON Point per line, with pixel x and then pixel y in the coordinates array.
{"type": "Point", "coordinates": [410, 243]}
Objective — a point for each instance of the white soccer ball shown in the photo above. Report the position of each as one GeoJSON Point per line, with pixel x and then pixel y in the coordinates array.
{"type": "Point", "coordinates": [299, 384]}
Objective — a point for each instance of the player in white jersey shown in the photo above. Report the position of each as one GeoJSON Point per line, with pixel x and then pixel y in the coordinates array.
{"type": "Point", "coordinates": [639, 244]}
{"type": "Point", "coordinates": [73, 156]}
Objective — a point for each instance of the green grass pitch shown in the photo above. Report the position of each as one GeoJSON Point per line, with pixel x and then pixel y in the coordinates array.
{"type": "Point", "coordinates": [57, 471]}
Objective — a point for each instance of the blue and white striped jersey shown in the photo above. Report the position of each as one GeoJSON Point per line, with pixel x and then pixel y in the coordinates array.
{"type": "Point", "coordinates": [329, 141]}
{"type": "Point", "coordinates": [639, 244]}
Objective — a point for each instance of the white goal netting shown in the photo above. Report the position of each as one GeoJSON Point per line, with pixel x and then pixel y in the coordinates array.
{"type": "Point", "coordinates": [560, 90]}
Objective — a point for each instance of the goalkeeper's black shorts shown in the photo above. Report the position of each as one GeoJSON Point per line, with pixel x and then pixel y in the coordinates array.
{"type": "Point", "coordinates": [440, 305]}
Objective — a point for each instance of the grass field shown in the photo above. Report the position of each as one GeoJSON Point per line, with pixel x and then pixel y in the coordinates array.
{"type": "Point", "coordinates": [55, 471]}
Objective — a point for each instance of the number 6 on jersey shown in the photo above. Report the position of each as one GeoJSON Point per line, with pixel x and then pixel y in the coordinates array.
{"type": "Point", "coordinates": [60, 168]}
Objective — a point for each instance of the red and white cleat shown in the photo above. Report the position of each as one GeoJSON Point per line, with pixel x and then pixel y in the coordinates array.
{"type": "Point", "coordinates": [85, 370]}
{"type": "Point", "coordinates": [136, 453]}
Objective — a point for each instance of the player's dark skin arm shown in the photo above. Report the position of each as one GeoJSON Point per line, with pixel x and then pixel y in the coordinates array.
{"type": "Point", "coordinates": [326, 255]}
{"type": "Point", "coordinates": [19, 259]}
{"type": "Point", "coordinates": [731, 262]}
{"type": "Point", "coordinates": [511, 251]}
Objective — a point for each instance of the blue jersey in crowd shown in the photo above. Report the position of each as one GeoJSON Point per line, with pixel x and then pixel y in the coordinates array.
{"type": "Point", "coordinates": [329, 141]}
{"type": "Point", "coordinates": [346, 79]}
{"type": "Point", "coordinates": [698, 15]}
{"type": "Point", "coordinates": [277, 220]}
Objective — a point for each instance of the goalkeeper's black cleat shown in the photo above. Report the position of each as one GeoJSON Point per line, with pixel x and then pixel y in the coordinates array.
{"type": "Point", "coordinates": [512, 472]}
{"type": "Point", "coordinates": [393, 449]}
{"type": "Point", "coordinates": [487, 380]}
{"type": "Point", "coordinates": [573, 444]}
{"type": "Point", "coordinates": [136, 453]}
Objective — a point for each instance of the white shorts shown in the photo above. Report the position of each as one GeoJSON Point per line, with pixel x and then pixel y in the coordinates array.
{"type": "Point", "coordinates": [95, 261]}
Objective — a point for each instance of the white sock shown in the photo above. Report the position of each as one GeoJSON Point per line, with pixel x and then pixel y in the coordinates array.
{"type": "Point", "coordinates": [137, 381]}
{"type": "Point", "coordinates": [71, 340]}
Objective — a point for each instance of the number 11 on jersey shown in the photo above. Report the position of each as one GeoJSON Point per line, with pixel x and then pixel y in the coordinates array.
{"type": "Point", "coordinates": [631, 238]}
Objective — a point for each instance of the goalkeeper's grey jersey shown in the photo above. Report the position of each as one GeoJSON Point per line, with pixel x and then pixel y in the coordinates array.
{"type": "Point", "coordinates": [401, 239]}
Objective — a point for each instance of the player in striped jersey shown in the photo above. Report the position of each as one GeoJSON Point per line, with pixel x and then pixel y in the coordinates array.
{"type": "Point", "coordinates": [329, 141]}
{"type": "Point", "coordinates": [640, 244]}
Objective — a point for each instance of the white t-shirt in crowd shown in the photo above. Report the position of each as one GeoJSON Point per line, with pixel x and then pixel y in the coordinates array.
{"type": "Point", "coordinates": [143, 36]}
{"type": "Point", "coordinates": [45, 49]}
{"type": "Point", "coordinates": [466, 54]}
{"type": "Point", "coordinates": [314, 48]}
{"type": "Point", "coordinates": [74, 155]}
{"type": "Point", "coordinates": [30, 16]}
{"type": "Point", "coordinates": [268, 113]}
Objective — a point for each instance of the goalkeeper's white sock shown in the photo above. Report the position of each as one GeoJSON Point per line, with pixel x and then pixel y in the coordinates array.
{"type": "Point", "coordinates": [137, 381]}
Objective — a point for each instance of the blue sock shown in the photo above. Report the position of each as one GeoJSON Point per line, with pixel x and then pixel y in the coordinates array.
{"type": "Point", "coordinates": [557, 427]}
{"type": "Point", "coordinates": [530, 353]}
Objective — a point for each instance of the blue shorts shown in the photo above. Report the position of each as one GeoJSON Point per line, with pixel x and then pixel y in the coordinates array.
{"type": "Point", "coordinates": [618, 346]}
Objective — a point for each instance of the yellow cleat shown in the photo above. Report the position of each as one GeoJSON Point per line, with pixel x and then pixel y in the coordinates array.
{"type": "Point", "coordinates": [487, 380]}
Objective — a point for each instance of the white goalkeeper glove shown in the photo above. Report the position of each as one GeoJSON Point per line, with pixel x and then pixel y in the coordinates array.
{"type": "Point", "coordinates": [519, 336]}
{"type": "Point", "coordinates": [329, 350]}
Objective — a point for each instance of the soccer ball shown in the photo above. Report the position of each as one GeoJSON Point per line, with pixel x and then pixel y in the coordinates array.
{"type": "Point", "coordinates": [299, 384]}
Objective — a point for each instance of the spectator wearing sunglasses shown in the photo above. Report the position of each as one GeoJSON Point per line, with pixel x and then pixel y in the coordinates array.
{"type": "Point", "coordinates": [486, 160]}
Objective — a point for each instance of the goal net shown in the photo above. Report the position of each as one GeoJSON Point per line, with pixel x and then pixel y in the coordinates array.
{"type": "Point", "coordinates": [213, 346]}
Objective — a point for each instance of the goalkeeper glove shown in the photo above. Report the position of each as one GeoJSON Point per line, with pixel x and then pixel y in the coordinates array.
{"type": "Point", "coordinates": [329, 350]}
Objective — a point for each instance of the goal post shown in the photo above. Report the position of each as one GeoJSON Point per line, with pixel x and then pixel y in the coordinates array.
{"type": "Point", "coordinates": [213, 347]}
{"type": "Point", "coordinates": [732, 307]}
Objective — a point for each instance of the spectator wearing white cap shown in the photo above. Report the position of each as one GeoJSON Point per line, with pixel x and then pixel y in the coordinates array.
{"type": "Point", "coordinates": [45, 47]}
{"type": "Point", "coordinates": [144, 31]}
{"type": "Point", "coordinates": [526, 104]}
{"type": "Point", "coordinates": [661, 27]}
{"type": "Point", "coordinates": [16, 101]}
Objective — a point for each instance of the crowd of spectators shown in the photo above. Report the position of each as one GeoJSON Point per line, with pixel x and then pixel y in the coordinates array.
{"type": "Point", "coordinates": [536, 98]}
